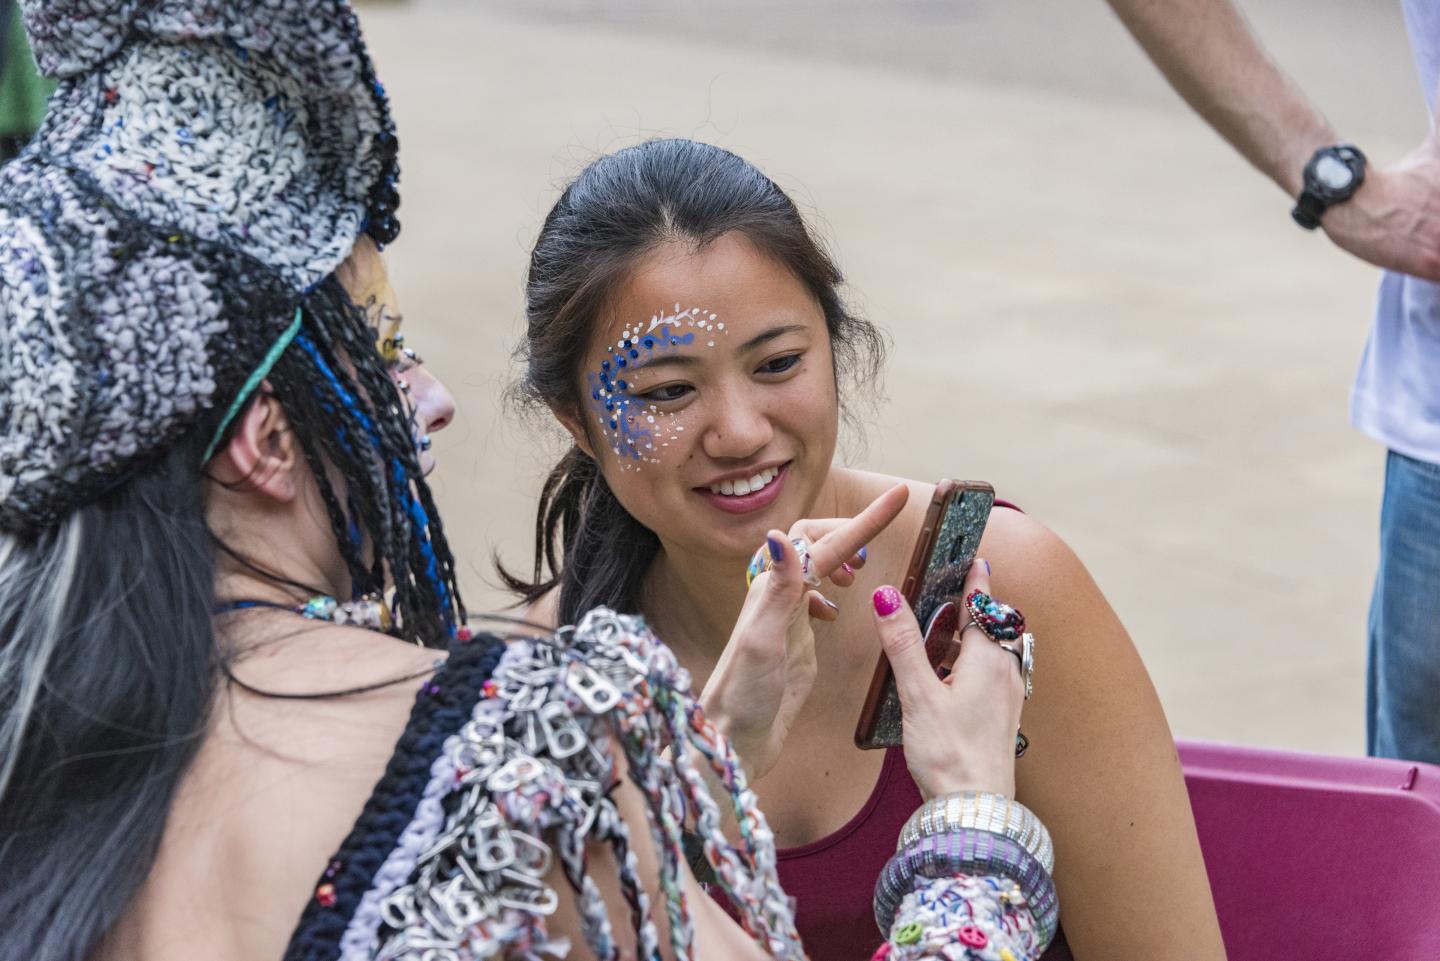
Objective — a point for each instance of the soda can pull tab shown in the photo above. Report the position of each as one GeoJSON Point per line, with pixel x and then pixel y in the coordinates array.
{"type": "Point", "coordinates": [598, 694]}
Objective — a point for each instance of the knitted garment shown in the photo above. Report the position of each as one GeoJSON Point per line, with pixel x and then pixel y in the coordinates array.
{"type": "Point", "coordinates": [202, 166]}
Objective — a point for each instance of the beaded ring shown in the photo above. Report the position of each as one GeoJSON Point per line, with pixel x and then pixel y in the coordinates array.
{"type": "Point", "coordinates": [998, 620]}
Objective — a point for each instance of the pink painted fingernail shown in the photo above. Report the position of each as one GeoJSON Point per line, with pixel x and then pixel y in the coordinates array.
{"type": "Point", "coordinates": [847, 568]}
{"type": "Point", "coordinates": [887, 601]}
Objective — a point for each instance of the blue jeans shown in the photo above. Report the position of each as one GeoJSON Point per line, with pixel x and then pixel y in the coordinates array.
{"type": "Point", "coordinates": [1403, 679]}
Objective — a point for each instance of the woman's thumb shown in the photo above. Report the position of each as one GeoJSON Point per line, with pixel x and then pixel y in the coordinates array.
{"type": "Point", "coordinates": [775, 580]}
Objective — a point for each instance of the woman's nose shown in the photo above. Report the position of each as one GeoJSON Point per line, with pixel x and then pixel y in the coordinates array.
{"type": "Point", "coordinates": [737, 430]}
{"type": "Point", "coordinates": [432, 399]}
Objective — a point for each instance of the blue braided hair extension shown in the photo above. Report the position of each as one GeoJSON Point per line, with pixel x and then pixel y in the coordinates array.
{"type": "Point", "coordinates": [401, 487]}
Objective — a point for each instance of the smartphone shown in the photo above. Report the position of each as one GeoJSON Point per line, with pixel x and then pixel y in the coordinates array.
{"type": "Point", "coordinates": [943, 552]}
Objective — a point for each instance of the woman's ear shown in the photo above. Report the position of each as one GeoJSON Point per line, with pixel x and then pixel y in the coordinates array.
{"type": "Point", "coordinates": [262, 455]}
{"type": "Point", "coordinates": [577, 431]}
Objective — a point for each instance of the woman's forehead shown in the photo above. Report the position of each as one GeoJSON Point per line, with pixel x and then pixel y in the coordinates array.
{"type": "Point", "coordinates": [730, 278]}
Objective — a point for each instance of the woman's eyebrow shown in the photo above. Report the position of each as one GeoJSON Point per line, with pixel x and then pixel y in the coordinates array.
{"type": "Point", "coordinates": [690, 360]}
{"type": "Point", "coordinates": [768, 336]}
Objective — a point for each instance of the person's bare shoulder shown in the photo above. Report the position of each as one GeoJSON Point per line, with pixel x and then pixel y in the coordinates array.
{"type": "Point", "coordinates": [295, 746]}
{"type": "Point", "coordinates": [1028, 560]}
{"type": "Point", "coordinates": [544, 612]}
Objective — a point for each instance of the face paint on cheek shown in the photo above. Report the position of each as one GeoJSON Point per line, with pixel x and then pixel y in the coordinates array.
{"type": "Point", "coordinates": [389, 341]}
{"type": "Point", "coordinates": [635, 429]}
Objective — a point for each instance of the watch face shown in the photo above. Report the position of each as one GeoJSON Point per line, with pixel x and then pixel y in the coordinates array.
{"type": "Point", "coordinates": [1333, 173]}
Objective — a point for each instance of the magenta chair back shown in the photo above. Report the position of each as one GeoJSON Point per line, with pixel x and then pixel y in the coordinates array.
{"type": "Point", "coordinates": [1318, 858]}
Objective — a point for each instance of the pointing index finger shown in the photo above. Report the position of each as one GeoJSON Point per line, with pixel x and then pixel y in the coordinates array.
{"type": "Point", "coordinates": [840, 544]}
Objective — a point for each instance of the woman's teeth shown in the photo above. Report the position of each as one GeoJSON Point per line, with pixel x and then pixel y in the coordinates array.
{"type": "Point", "coordinates": [742, 486]}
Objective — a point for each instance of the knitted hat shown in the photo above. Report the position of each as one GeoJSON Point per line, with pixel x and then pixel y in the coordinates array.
{"type": "Point", "coordinates": [204, 164]}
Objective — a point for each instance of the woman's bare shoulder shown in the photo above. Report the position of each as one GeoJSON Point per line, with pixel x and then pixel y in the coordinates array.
{"type": "Point", "coordinates": [856, 488]}
{"type": "Point", "coordinates": [545, 611]}
{"type": "Point", "coordinates": [1032, 556]}
{"type": "Point", "coordinates": [285, 768]}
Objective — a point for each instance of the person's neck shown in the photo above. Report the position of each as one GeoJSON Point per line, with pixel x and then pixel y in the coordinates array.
{"type": "Point", "coordinates": [274, 576]}
{"type": "Point", "coordinates": [692, 603]}
{"type": "Point", "coordinates": [692, 600]}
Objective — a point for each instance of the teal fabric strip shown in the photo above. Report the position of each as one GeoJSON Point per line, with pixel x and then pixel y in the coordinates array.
{"type": "Point", "coordinates": [260, 373]}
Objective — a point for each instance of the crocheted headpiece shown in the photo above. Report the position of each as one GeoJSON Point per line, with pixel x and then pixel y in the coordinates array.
{"type": "Point", "coordinates": [203, 166]}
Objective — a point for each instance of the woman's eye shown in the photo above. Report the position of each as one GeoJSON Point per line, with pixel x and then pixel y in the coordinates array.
{"type": "Point", "coordinates": [665, 393]}
{"type": "Point", "coordinates": [779, 365]}
{"type": "Point", "coordinates": [404, 359]}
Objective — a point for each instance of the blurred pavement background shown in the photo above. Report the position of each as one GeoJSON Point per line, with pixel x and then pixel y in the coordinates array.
{"type": "Point", "coordinates": [1095, 304]}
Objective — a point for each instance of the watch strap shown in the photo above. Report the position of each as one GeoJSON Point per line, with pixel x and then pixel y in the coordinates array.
{"type": "Point", "coordinates": [1308, 209]}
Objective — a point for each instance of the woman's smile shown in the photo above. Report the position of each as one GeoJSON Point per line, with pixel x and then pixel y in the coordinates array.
{"type": "Point", "coordinates": [745, 492]}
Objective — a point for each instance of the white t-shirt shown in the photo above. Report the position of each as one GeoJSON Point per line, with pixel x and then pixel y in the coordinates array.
{"type": "Point", "coordinates": [1397, 392]}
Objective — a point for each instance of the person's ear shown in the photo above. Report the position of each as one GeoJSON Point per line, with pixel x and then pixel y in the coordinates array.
{"type": "Point", "coordinates": [262, 455]}
{"type": "Point", "coordinates": [577, 431]}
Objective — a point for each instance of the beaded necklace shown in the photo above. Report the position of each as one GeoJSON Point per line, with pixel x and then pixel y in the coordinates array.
{"type": "Point", "coordinates": [368, 611]}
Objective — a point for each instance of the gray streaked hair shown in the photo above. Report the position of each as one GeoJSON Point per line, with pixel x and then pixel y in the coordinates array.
{"type": "Point", "coordinates": [39, 589]}
{"type": "Point", "coordinates": [108, 665]}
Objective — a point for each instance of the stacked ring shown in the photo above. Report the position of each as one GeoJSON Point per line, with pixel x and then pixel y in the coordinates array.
{"type": "Point", "coordinates": [761, 562]}
{"type": "Point", "coordinates": [1024, 651]}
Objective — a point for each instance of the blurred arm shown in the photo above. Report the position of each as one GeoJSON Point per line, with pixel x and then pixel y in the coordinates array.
{"type": "Point", "coordinates": [1212, 59]}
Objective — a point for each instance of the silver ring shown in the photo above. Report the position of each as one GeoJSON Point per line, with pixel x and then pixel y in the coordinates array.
{"type": "Point", "coordinates": [1024, 650]}
{"type": "Point", "coordinates": [966, 626]}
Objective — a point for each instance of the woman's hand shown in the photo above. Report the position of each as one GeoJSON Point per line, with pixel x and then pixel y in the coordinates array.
{"type": "Point", "coordinates": [959, 732]}
{"type": "Point", "coordinates": [767, 670]}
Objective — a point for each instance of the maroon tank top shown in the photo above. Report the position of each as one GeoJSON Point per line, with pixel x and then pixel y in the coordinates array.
{"type": "Point", "coordinates": [833, 879]}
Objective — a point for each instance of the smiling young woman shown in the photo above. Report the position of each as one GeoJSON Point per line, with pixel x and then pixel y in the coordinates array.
{"type": "Point", "coordinates": [688, 331]}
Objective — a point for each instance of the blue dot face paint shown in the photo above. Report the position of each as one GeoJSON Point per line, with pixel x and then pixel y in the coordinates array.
{"type": "Point", "coordinates": [636, 430]}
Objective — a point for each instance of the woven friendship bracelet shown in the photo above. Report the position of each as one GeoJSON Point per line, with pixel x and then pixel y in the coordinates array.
{"type": "Point", "coordinates": [986, 812]}
{"type": "Point", "coordinates": [973, 852]}
{"type": "Point", "coordinates": [964, 918]}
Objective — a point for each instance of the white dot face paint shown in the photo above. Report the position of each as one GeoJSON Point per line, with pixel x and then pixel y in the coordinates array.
{"type": "Point", "coordinates": [633, 427]}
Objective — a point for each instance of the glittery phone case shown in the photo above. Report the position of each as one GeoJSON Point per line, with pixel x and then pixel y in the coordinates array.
{"type": "Point", "coordinates": [947, 544]}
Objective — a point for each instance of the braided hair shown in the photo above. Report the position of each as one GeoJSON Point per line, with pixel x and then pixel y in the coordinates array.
{"type": "Point", "coordinates": [349, 419]}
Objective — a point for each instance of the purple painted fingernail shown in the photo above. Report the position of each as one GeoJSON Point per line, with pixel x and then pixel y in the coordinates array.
{"type": "Point", "coordinates": [861, 553]}
{"type": "Point", "coordinates": [987, 566]}
{"type": "Point", "coordinates": [830, 604]}
{"type": "Point", "coordinates": [887, 601]}
{"type": "Point", "coordinates": [777, 549]}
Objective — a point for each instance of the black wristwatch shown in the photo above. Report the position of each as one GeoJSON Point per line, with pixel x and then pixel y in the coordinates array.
{"type": "Point", "coordinates": [1331, 177]}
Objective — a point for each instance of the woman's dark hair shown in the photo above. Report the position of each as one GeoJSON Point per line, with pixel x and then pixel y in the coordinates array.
{"type": "Point", "coordinates": [109, 659]}
{"type": "Point", "coordinates": [621, 208]}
